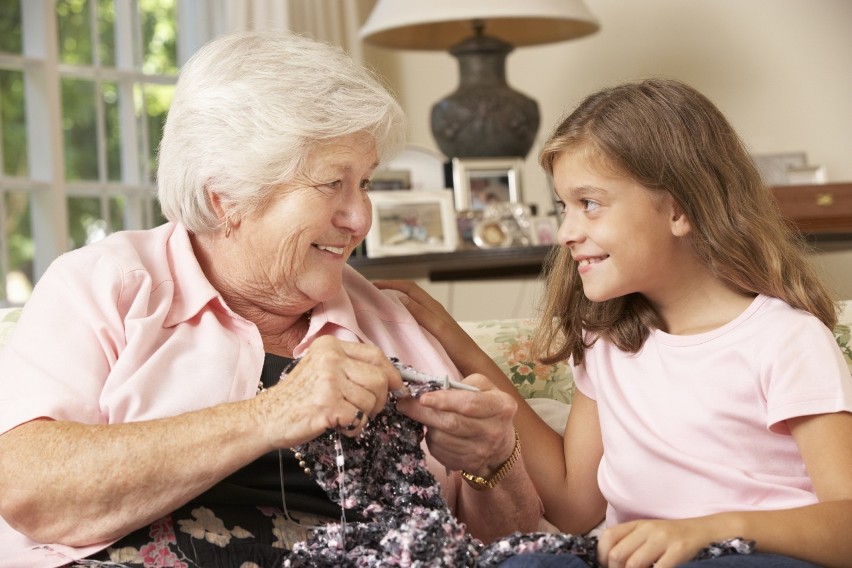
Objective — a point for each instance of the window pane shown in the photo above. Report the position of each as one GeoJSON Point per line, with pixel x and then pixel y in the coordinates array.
{"type": "Point", "coordinates": [84, 221]}
{"type": "Point", "coordinates": [159, 36]}
{"type": "Point", "coordinates": [106, 32]}
{"type": "Point", "coordinates": [10, 26]}
{"type": "Point", "coordinates": [79, 129]}
{"type": "Point", "coordinates": [14, 135]}
{"type": "Point", "coordinates": [157, 99]}
{"type": "Point", "coordinates": [113, 131]}
{"type": "Point", "coordinates": [116, 213]}
{"type": "Point", "coordinates": [75, 32]}
{"type": "Point", "coordinates": [19, 239]}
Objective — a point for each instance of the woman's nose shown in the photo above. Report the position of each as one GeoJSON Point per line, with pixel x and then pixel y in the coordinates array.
{"type": "Point", "coordinates": [355, 213]}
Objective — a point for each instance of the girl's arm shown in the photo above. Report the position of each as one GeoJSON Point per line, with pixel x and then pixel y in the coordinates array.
{"type": "Point", "coordinates": [572, 502]}
{"type": "Point", "coordinates": [815, 533]}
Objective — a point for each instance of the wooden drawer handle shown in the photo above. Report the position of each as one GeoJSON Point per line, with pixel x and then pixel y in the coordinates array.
{"type": "Point", "coordinates": [825, 199]}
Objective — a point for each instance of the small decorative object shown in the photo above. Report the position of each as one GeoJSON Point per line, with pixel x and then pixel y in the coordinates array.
{"type": "Point", "coordinates": [467, 221]}
{"type": "Point", "coordinates": [425, 168]}
{"type": "Point", "coordinates": [774, 167]}
{"type": "Point", "coordinates": [386, 179]}
{"type": "Point", "coordinates": [503, 225]}
{"type": "Point", "coordinates": [543, 230]}
{"type": "Point", "coordinates": [412, 222]}
{"type": "Point", "coordinates": [807, 175]}
{"type": "Point", "coordinates": [479, 182]}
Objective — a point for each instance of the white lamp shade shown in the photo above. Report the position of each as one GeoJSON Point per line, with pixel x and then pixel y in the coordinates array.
{"type": "Point", "coordinates": [440, 24]}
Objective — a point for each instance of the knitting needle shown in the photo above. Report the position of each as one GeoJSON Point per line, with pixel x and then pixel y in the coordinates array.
{"type": "Point", "coordinates": [413, 376]}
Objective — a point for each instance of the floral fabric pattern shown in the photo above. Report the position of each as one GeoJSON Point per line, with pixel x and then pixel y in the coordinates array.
{"type": "Point", "coordinates": [507, 342]}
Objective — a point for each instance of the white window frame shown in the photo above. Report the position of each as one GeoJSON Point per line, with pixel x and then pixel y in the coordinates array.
{"type": "Point", "coordinates": [43, 73]}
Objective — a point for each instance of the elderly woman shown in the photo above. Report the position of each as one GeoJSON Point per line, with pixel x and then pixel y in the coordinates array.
{"type": "Point", "coordinates": [141, 415]}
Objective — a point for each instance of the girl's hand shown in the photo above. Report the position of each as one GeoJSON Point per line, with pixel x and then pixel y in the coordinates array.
{"type": "Point", "coordinates": [430, 313]}
{"type": "Point", "coordinates": [658, 543]}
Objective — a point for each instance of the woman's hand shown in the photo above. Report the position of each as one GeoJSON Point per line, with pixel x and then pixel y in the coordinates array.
{"type": "Point", "coordinates": [466, 430]}
{"type": "Point", "coordinates": [431, 314]}
{"type": "Point", "coordinates": [658, 543]}
{"type": "Point", "coordinates": [336, 384]}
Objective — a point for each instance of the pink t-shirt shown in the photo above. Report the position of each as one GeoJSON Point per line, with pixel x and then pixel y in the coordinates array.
{"type": "Point", "coordinates": [694, 425]}
{"type": "Point", "coordinates": [129, 329]}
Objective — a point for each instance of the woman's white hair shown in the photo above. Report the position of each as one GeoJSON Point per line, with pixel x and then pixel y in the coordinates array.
{"type": "Point", "coordinates": [247, 110]}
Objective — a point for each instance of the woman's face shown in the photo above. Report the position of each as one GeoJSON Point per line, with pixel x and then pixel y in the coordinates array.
{"type": "Point", "coordinates": [295, 248]}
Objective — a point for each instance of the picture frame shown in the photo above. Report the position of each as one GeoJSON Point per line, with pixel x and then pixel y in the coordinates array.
{"type": "Point", "coordinates": [480, 181]}
{"type": "Point", "coordinates": [412, 222]}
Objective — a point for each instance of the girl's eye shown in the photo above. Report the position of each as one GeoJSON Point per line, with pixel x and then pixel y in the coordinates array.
{"type": "Point", "coordinates": [560, 207]}
{"type": "Point", "coordinates": [589, 205]}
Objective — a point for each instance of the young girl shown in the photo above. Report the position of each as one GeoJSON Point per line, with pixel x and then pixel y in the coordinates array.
{"type": "Point", "coordinates": [712, 400]}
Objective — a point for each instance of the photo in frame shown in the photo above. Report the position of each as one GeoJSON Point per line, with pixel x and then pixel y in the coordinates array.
{"type": "Point", "coordinates": [479, 182]}
{"type": "Point", "coordinates": [412, 222]}
{"type": "Point", "coordinates": [543, 230]}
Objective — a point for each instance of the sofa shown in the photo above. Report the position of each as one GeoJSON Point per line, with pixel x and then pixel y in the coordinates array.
{"type": "Point", "coordinates": [547, 388]}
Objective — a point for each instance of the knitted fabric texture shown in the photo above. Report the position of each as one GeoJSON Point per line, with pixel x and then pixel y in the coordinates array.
{"type": "Point", "coordinates": [408, 522]}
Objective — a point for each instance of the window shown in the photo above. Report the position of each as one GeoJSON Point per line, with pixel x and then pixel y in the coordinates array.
{"type": "Point", "coordinates": [84, 90]}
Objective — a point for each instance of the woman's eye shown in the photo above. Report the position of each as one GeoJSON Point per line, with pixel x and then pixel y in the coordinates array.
{"type": "Point", "coordinates": [365, 184]}
{"type": "Point", "coordinates": [332, 185]}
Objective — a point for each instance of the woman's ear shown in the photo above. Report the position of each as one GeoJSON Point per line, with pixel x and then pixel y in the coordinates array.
{"type": "Point", "coordinates": [227, 220]}
{"type": "Point", "coordinates": [216, 203]}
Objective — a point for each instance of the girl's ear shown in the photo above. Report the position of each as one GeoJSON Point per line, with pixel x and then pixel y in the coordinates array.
{"type": "Point", "coordinates": [680, 225]}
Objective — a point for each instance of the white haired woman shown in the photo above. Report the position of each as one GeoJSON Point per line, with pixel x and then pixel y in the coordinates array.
{"type": "Point", "coordinates": [141, 415]}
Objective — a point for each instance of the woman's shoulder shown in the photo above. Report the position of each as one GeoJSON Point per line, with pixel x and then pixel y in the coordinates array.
{"type": "Point", "coordinates": [366, 298]}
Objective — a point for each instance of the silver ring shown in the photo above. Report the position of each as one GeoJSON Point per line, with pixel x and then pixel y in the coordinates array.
{"type": "Point", "coordinates": [359, 415]}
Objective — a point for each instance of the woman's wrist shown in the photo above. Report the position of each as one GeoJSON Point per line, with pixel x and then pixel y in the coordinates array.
{"type": "Point", "coordinates": [490, 480]}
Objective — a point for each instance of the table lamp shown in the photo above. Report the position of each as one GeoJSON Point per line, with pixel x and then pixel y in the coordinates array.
{"type": "Point", "coordinates": [484, 117]}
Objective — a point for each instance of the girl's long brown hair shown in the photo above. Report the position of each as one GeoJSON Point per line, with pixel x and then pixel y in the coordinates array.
{"type": "Point", "coordinates": [671, 138]}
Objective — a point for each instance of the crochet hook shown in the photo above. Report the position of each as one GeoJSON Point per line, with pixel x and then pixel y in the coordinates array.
{"type": "Point", "coordinates": [415, 377]}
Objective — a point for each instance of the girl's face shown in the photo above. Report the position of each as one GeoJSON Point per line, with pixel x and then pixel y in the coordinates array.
{"type": "Point", "coordinates": [624, 238]}
{"type": "Point", "coordinates": [296, 247]}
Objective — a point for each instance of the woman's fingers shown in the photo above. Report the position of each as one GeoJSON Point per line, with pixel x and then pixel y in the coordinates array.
{"type": "Point", "coordinates": [335, 385]}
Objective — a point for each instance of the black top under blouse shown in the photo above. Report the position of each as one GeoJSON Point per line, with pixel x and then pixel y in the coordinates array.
{"type": "Point", "coordinates": [259, 482]}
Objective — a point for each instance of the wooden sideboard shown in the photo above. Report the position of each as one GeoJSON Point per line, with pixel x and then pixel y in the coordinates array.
{"type": "Point", "coordinates": [822, 212]}
{"type": "Point", "coordinates": [824, 209]}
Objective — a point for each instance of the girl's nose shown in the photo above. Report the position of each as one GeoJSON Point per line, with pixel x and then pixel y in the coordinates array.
{"type": "Point", "coordinates": [569, 231]}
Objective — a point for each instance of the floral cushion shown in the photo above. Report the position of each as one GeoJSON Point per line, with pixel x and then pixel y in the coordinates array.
{"type": "Point", "coordinates": [507, 341]}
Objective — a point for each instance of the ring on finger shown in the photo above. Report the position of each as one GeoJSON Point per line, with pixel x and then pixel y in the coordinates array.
{"type": "Point", "coordinates": [359, 416]}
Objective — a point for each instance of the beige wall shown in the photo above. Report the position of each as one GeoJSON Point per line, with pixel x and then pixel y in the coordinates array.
{"type": "Point", "coordinates": [779, 69]}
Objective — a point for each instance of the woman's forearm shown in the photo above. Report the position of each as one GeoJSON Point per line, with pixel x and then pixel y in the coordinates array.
{"type": "Point", "coordinates": [79, 484]}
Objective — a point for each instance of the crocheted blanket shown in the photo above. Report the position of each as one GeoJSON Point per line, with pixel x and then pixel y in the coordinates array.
{"type": "Point", "coordinates": [384, 475]}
